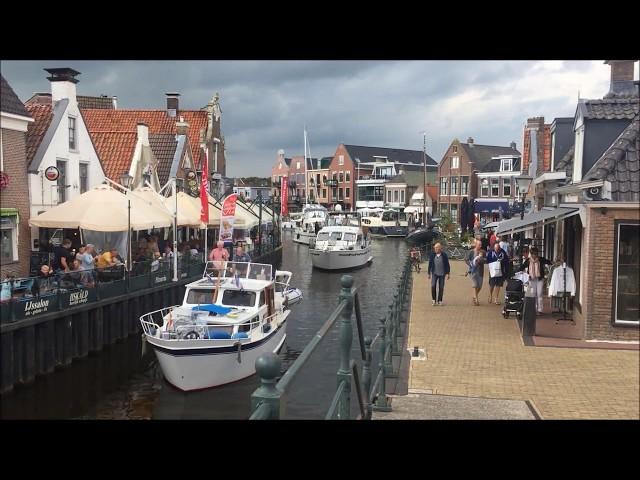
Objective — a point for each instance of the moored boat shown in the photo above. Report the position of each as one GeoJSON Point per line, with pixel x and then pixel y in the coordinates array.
{"type": "Point", "coordinates": [340, 247]}
{"type": "Point", "coordinates": [226, 321]}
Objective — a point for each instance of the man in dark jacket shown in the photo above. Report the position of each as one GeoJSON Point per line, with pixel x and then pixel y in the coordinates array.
{"type": "Point", "coordinates": [437, 269]}
{"type": "Point", "coordinates": [534, 266]}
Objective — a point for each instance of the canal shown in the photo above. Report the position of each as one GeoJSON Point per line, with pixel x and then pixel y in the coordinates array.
{"type": "Point", "coordinates": [124, 380]}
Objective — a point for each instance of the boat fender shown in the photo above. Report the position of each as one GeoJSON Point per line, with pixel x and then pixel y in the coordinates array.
{"type": "Point", "coordinates": [192, 335]}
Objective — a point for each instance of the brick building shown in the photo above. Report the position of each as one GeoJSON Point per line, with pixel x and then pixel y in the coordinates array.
{"type": "Point", "coordinates": [591, 213]}
{"type": "Point", "coordinates": [458, 174]}
{"type": "Point", "coordinates": [14, 187]}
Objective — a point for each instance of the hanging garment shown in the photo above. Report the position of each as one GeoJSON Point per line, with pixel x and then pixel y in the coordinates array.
{"type": "Point", "coordinates": [557, 283]}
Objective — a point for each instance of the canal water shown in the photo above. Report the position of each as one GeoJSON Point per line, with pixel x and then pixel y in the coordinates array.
{"type": "Point", "coordinates": [124, 381]}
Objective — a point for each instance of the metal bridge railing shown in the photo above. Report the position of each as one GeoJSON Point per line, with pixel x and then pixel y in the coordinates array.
{"type": "Point", "coordinates": [267, 402]}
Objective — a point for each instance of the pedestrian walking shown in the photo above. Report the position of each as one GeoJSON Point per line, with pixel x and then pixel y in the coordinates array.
{"type": "Point", "coordinates": [437, 269]}
{"type": "Point", "coordinates": [476, 276]}
{"type": "Point", "coordinates": [534, 266]}
{"type": "Point", "coordinates": [498, 262]}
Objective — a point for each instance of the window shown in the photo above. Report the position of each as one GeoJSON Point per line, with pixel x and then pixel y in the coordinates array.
{"type": "Point", "coordinates": [341, 177]}
{"type": "Point", "coordinates": [324, 193]}
{"type": "Point", "coordinates": [484, 188]}
{"type": "Point", "coordinates": [455, 149]}
{"type": "Point", "coordinates": [464, 186]}
{"type": "Point", "coordinates": [454, 212]}
{"type": "Point", "coordinates": [388, 196]}
{"type": "Point", "coordinates": [444, 208]}
{"type": "Point", "coordinates": [297, 165]}
{"type": "Point", "coordinates": [335, 176]}
{"type": "Point", "coordinates": [324, 179]}
{"type": "Point", "coordinates": [347, 192]}
{"type": "Point", "coordinates": [402, 196]}
{"type": "Point", "coordinates": [454, 185]}
{"type": "Point", "coordinates": [72, 133]}
{"type": "Point", "coordinates": [318, 179]}
{"type": "Point", "coordinates": [506, 165]}
{"type": "Point", "coordinates": [627, 273]}
{"type": "Point", "coordinates": [84, 177]}
{"type": "Point", "coordinates": [340, 197]}
{"type": "Point", "coordinates": [455, 162]}
{"type": "Point", "coordinates": [506, 187]}
{"type": "Point", "coordinates": [335, 194]}
{"type": "Point", "coordinates": [495, 187]}
{"type": "Point", "coordinates": [340, 159]}
{"type": "Point", "coordinates": [443, 186]}
{"type": "Point", "coordinates": [262, 301]}
{"type": "Point", "coordinates": [62, 181]}
{"type": "Point", "coordinates": [239, 298]}
{"type": "Point", "coordinates": [395, 196]}
{"type": "Point", "coordinates": [8, 240]}
{"type": "Point", "coordinates": [347, 176]}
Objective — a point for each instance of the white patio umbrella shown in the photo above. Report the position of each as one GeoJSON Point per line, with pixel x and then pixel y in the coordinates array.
{"type": "Point", "coordinates": [103, 209]}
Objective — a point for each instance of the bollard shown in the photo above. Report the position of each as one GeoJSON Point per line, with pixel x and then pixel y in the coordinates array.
{"type": "Point", "coordinates": [366, 375]}
{"type": "Point", "coordinates": [268, 368]}
{"type": "Point", "coordinates": [381, 404]}
{"type": "Point", "coordinates": [346, 340]}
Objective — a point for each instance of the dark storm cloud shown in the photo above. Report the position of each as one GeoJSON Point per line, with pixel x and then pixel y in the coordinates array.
{"type": "Point", "coordinates": [265, 104]}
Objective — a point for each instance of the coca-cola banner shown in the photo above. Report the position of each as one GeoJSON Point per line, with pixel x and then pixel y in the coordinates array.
{"type": "Point", "coordinates": [228, 217]}
{"type": "Point", "coordinates": [284, 194]}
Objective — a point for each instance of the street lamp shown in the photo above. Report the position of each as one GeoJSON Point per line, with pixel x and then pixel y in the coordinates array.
{"type": "Point", "coordinates": [125, 181]}
{"type": "Point", "coordinates": [524, 182]}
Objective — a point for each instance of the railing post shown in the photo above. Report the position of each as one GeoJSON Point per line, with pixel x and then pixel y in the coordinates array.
{"type": "Point", "coordinates": [388, 361]}
{"type": "Point", "coordinates": [381, 404]}
{"type": "Point", "coordinates": [346, 339]}
{"type": "Point", "coordinates": [268, 368]}
{"type": "Point", "coordinates": [366, 375]}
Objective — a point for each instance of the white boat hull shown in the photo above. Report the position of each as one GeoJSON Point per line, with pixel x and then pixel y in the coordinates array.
{"type": "Point", "coordinates": [203, 366]}
{"type": "Point", "coordinates": [340, 259]}
{"type": "Point", "coordinates": [303, 237]}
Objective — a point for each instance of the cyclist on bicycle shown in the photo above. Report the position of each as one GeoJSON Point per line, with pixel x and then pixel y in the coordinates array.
{"type": "Point", "coordinates": [416, 257]}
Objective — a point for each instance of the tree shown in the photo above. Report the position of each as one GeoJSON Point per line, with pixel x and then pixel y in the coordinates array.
{"type": "Point", "coordinates": [464, 215]}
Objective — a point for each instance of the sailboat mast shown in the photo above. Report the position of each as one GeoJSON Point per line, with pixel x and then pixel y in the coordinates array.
{"type": "Point", "coordinates": [424, 191]}
{"type": "Point", "coordinates": [306, 195]}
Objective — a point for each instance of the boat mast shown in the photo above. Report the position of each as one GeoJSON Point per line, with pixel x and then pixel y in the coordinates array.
{"type": "Point", "coordinates": [306, 195]}
{"type": "Point", "coordinates": [424, 191]}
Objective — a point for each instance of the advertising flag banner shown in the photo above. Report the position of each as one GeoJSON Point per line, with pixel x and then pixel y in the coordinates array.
{"type": "Point", "coordinates": [228, 217]}
{"type": "Point", "coordinates": [284, 194]}
{"type": "Point", "coordinates": [204, 188]}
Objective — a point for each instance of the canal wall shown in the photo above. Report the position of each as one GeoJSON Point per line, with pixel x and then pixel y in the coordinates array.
{"type": "Point", "coordinates": [34, 340]}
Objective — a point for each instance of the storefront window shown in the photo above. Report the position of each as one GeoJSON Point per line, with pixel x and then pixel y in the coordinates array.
{"type": "Point", "coordinates": [627, 306]}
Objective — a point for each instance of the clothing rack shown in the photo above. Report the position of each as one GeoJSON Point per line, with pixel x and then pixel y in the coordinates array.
{"type": "Point", "coordinates": [565, 297]}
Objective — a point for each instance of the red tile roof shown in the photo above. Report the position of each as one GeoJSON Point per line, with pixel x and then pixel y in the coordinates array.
{"type": "Point", "coordinates": [42, 115]}
{"type": "Point", "coordinates": [115, 150]}
{"type": "Point", "coordinates": [103, 120]}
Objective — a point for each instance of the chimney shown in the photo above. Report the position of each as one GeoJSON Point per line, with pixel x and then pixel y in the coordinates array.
{"type": "Point", "coordinates": [470, 141]}
{"type": "Point", "coordinates": [622, 84]}
{"type": "Point", "coordinates": [182, 127]}
{"type": "Point", "coordinates": [172, 103]}
{"type": "Point", "coordinates": [513, 145]}
{"type": "Point", "coordinates": [143, 133]}
{"type": "Point", "coordinates": [63, 83]}
{"type": "Point", "coordinates": [115, 102]}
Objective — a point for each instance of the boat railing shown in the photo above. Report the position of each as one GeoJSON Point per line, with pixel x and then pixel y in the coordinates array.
{"type": "Point", "coordinates": [268, 402]}
{"type": "Point", "coordinates": [150, 323]}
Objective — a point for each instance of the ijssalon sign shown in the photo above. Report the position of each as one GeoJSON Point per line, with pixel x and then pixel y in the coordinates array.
{"type": "Point", "coordinates": [34, 307]}
{"type": "Point", "coordinates": [228, 217]}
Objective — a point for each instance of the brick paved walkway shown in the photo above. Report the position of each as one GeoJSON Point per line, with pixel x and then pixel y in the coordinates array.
{"type": "Point", "coordinates": [473, 351]}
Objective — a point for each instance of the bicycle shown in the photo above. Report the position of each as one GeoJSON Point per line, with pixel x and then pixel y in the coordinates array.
{"type": "Point", "coordinates": [415, 264]}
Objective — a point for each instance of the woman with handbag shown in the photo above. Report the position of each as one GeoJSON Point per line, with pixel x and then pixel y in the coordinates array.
{"type": "Point", "coordinates": [534, 266]}
{"type": "Point", "coordinates": [498, 262]}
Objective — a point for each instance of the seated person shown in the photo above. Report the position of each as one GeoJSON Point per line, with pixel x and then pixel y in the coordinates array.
{"type": "Point", "coordinates": [107, 263]}
{"type": "Point", "coordinates": [72, 278]}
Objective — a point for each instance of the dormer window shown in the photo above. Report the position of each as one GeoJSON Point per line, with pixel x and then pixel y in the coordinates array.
{"type": "Point", "coordinates": [455, 149]}
{"type": "Point", "coordinates": [506, 165]}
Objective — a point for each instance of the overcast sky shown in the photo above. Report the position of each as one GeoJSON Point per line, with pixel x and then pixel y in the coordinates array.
{"type": "Point", "coordinates": [265, 104]}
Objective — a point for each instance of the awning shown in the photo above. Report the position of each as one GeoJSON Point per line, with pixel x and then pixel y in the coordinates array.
{"type": "Point", "coordinates": [8, 212]}
{"type": "Point", "coordinates": [491, 206]}
{"type": "Point", "coordinates": [515, 225]}
{"type": "Point", "coordinates": [491, 225]}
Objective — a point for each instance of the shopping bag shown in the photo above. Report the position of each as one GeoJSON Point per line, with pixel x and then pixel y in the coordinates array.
{"type": "Point", "coordinates": [495, 270]}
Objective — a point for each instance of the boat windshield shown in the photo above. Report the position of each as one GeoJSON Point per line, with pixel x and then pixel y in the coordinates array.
{"type": "Point", "coordinates": [349, 237]}
{"type": "Point", "coordinates": [335, 236]}
{"type": "Point", "coordinates": [239, 298]}
{"type": "Point", "coordinates": [389, 216]}
{"type": "Point", "coordinates": [199, 297]}
{"type": "Point", "coordinates": [323, 236]}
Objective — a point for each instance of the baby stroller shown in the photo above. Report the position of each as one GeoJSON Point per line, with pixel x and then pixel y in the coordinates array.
{"type": "Point", "coordinates": [514, 295]}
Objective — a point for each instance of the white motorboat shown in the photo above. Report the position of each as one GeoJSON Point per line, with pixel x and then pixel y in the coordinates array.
{"type": "Point", "coordinates": [372, 219]}
{"type": "Point", "coordinates": [291, 294]}
{"type": "Point", "coordinates": [306, 227]}
{"type": "Point", "coordinates": [226, 321]}
{"type": "Point", "coordinates": [340, 247]}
